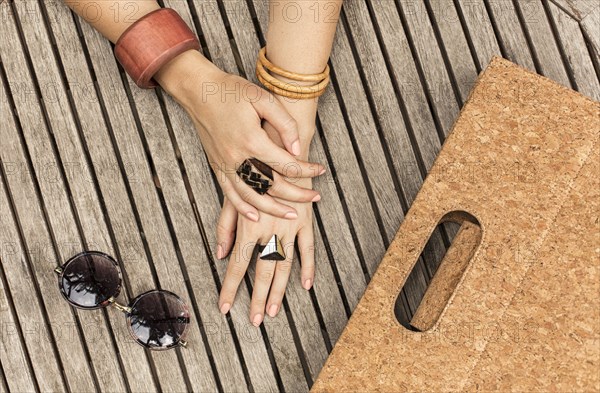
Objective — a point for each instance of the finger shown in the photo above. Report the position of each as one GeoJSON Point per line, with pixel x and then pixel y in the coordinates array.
{"type": "Point", "coordinates": [236, 268]}
{"type": "Point", "coordinates": [244, 208]}
{"type": "Point", "coordinates": [284, 189]}
{"type": "Point", "coordinates": [280, 281]}
{"type": "Point", "coordinates": [270, 109]}
{"type": "Point", "coordinates": [262, 283]}
{"type": "Point", "coordinates": [226, 228]}
{"type": "Point", "coordinates": [264, 203]}
{"type": "Point", "coordinates": [306, 246]}
{"type": "Point", "coordinates": [284, 163]}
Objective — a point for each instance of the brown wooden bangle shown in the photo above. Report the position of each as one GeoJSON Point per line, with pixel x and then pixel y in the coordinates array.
{"type": "Point", "coordinates": [288, 74]}
{"type": "Point", "coordinates": [290, 86]}
{"type": "Point", "coordinates": [151, 42]}
{"type": "Point", "coordinates": [287, 93]}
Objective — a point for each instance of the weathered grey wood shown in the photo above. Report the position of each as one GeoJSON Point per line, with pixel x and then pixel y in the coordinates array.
{"type": "Point", "coordinates": [89, 215]}
{"type": "Point", "coordinates": [16, 284]}
{"type": "Point", "coordinates": [578, 9]}
{"type": "Point", "coordinates": [436, 76]}
{"type": "Point", "coordinates": [543, 43]}
{"type": "Point", "coordinates": [511, 33]}
{"type": "Point", "coordinates": [480, 30]}
{"type": "Point", "coordinates": [388, 111]}
{"type": "Point", "coordinates": [447, 21]}
{"type": "Point", "coordinates": [63, 225]}
{"type": "Point", "coordinates": [3, 385]}
{"type": "Point", "coordinates": [591, 26]}
{"type": "Point", "coordinates": [573, 44]}
{"type": "Point", "coordinates": [122, 217]}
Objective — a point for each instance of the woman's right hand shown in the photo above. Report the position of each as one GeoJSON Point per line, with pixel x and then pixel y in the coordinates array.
{"type": "Point", "coordinates": [228, 111]}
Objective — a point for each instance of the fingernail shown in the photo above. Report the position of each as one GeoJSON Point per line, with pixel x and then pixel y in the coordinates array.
{"type": "Point", "coordinates": [252, 216]}
{"type": "Point", "coordinates": [307, 283]}
{"type": "Point", "coordinates": [273, 310]}
{"type": "Point", "coordinates": [296, 148]}
{"type": "Point", "coordinates": [290, 215]}
{"type": "Point", "coordinates": [219, 252]}
{"type": "Point", "coordinates": [257, 320]}
{"type": "Point", "coordinates": [225, 308]}
{"type": "Point", "coordinates": [317, 198]}
{"type": "Point", "coordinates": [322, 171]}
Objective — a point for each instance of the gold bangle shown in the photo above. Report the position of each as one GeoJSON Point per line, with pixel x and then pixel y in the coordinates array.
{"type": "Point", "coordinates": [288, 74]}
{"type": "Point", "coordinates": [260, 70]}
{"type": "Point", "coordinates": [288, 93]}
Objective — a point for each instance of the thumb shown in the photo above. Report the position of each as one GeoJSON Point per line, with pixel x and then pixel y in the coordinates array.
{"type": "Point", "coordinates": [270, 109]}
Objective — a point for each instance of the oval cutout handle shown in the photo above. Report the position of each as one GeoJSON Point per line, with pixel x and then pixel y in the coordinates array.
{"type": "Point", "coordinates": [450, 271]}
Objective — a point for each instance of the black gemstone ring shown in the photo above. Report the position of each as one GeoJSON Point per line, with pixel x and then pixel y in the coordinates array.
{"type": "Point", "coordinates": [273, 250]}
{"type": "Point", "coordinates": [256, 174]}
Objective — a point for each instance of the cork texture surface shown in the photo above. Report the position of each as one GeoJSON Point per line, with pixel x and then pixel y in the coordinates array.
{"type": "Point", "coordinates": [523, 160]}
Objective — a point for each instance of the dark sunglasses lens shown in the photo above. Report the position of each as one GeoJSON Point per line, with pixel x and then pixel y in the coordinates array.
{"type": "Point", "coordinates": [158, 319]}
{"type": "Point", "coordinates": [90, 279]}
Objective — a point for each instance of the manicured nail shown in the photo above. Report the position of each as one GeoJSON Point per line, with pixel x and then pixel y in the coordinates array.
{"type": "Point", "coordinates": [219, 252]}
{"type": "Point", "coordinates": [273, 310]}
{"type": "Point", "coordinates": [257, 320]}
{"type": "Point", "coordinates": [322, 171]}
{"type": "Point", "coordinates": [225, 308]}
{"type": "Point", "coordinates": [290, 215]}
{"type": "Point", "coordinates": [307, 283]}
{"type": "Point", "coordinates": [317, 198]}
{"type": "Point", "coordinates": [296, 148]}
{"type": "Point", "coordinates": [252, 216]}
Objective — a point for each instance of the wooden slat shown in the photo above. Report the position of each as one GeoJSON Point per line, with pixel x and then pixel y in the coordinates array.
{"type": "Point", "coordinates": [436, 76]}
{"type": "Point", "coordinates": [447, 22]}
{"type": "Point", "coordinates": [591, 26]}
{"type": "Point", "coordinates": [572, 43]}
{"type": "Point", "coordinates": [123, 221]}
{"type": "Point", "coordinates": [578, 9]}
{"type": "Point", "coordinates": [87, 216]}
{"type": "Point", "coordinates": [408, 156]}
{"type": "Point", "coordinates": [15, 275]}
{"type": "Point", "coordinates": [516, 48]}
{"type": "Point", "coordinates": [63, 225]}
{"type": "Point", "coordinates": [481, 31]}
{"type": "Point", "coordinates": [535, 21]}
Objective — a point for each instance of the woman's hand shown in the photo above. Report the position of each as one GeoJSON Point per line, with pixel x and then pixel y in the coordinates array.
{"type": "Point", "coordinates": [271, 277]}
{"type": "Point", "coordinates": [227, 111]}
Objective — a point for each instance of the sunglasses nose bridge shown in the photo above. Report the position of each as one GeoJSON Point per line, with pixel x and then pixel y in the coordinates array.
{"type": "Point", "coordinates": [58, 270]}
{"type": "Point", "coordinates": [119, 306]}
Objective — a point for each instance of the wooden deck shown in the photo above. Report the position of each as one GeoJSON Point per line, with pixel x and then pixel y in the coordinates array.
{"type": "Point", "coordinates": [89, 161]}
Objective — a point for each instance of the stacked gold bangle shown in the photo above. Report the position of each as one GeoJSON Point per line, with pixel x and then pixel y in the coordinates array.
{"type": "Point", "coordinates": [264, 66]}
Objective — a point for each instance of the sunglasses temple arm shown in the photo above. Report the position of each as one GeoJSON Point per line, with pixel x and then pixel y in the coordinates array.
{"type": "Point", "coordinates": [58, 270]}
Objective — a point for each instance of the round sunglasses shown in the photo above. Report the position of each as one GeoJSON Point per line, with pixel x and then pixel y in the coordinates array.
{"type": "Point", "coordinates": [157, 319]}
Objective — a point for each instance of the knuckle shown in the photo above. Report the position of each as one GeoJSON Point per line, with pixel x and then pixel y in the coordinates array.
{"type": "Point", "coordinates": [236, 270]}
{"type": "Point", "coordinates": [223, 229]}
{"type": "Point", "coordinates": [289, 125]}
{"type": "Point", "coordinates": [266, 275]}
{"type": "Point", "coordinates": [246, 195]}
{"type": "Point", "coordinates": [284, 267]}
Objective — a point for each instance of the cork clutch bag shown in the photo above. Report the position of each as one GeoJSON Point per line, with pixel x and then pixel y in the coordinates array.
{"type": "Point", "coordinates": [515, 304]}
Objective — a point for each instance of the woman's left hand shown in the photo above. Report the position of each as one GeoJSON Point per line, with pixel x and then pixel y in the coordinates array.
{"type": "Point", "coordinates": [271, 277]}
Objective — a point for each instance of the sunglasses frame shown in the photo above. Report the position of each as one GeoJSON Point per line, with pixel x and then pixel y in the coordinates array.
{"type": "Point", "coordinates": [112, 301]}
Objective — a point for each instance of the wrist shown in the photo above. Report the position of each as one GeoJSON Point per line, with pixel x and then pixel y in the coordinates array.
{"type": "Point", "coordinates": [181, 76]}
